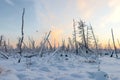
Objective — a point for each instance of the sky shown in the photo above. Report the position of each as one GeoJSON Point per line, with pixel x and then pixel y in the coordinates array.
{"type": "Point", "coordinates": [41, 16]}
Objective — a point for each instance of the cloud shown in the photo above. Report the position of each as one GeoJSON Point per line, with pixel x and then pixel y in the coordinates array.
{"type": "Point", "coordinates": [99, 12]}
{"type": "Point", "coordinates": [85, 8]}
{"type": "Point", "coordinates": [10, 2]}
{"type": "Point", "coordinates": [48, 15]}
{"type": "Point", "coordinates": [90, 8]}
{"type": "Point", "coordinates": [112, 18]}
{"type": "Point", "coordinates": [43, 13]}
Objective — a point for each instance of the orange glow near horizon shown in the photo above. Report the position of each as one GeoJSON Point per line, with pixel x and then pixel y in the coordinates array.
{"type": "Point", "coordinates": [57, 36]}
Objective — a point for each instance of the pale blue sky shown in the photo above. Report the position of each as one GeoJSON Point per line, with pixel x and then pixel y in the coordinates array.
{"type": "Point", "coordinates": [57, 15]}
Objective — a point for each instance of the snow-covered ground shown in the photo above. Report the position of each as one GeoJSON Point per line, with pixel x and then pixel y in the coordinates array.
{"type": "Point", "coordinates": [60, 68]}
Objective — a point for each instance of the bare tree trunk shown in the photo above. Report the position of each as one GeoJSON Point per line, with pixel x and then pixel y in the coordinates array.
{"type": "Point", "coordinates": [42, 46]}
{"type": "Point", "coordinates": [84, 39]}
{"type": "Point", "coordinates": [22, 33]}
{"type": "Point", "coordinates": [54, 44]}
{"type": "Point", "coordinates": [5, 46]}
{"type": "Point", "coordinates": [115, 49]}
{"type": "Point", "coordinates": [82, 32]}
{"type": "Point", "coordinates": [96, 45]}
{"type": "Point", "coordinates": [87, 41]}
{"type": "Point", "coordinates": [49, 44]}
{"type": "Point", "coordinates": [1, 38]}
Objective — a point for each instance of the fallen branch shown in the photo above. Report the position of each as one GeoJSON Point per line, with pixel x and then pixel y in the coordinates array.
{"type": "Point", "coordinates": [3, 54]}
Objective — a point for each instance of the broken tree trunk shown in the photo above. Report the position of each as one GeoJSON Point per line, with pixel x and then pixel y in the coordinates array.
{"type": "Point", "coordinates": [22, 33]}
{"type": "Point", "coordinates": [115, 49]}
{"type": "Point", "coordinates": [43, 44]}
{"type": "Point", "coordinates": [96, 45]}
{"type": "Point", "coordinates": [4, 55]}
{"type": "Point", "coordinates": [49, 44]}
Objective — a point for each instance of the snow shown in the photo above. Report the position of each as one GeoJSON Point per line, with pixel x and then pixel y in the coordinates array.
{"type": "Point", "coordinates": [57, 67]}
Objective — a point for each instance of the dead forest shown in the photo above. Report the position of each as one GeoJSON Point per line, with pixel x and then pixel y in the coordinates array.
{"type": "Point", "coordinates": [83, 43]}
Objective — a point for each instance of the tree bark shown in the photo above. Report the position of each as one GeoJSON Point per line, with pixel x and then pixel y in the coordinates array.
{"type": "Point", "coordinates": [115, 49]}
{"type": "Point", "coordinates": [22, 34]}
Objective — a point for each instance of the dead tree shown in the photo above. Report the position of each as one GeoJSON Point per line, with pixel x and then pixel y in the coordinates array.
{"type": "Point", "coordinates": [32, 42]}
{"type": "Point", "coordinates": [71, 43]}
{"type": "Point", "coordinates": [82, 34]}
{"type": "Point", "coordinates": [115, 49]}
{"type": "Point", "coordinates": [49, 44]}
{"type": "Point", "coordinates": [1, 39]}
{"type": "Point", "coordinates": [54, 44]}
{"type": "Point", "coordinates": [63, 47]}
{"type": "Point", "coordinates": [68, 47]}
{"type": "Point", "coordinates": [22, 36]}
{"type": "Point", "coordinates": [89, 37]}
{"type": "Point", "coordinates": [5, 46]}
{"type": "Point", "coordinates": [109, 47]}
{"type": "Point", "coordinates": [43, 44]}
{"type": "Point", "coordinates": [2, 45]}
{"type": "Point", "coordinates": [95, 41]}
{"type": "Point", "coordinates": [8, 44]}
{"type": "Point", "coordinates": [74, 37]}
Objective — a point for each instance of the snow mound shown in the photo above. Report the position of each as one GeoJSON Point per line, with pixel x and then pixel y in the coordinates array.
{"type": "Point", "coordinates": [100, 75]}
{"type": "Point", "coordinates": [6, 74]}
{"type": "Point", "coordinates": [58, 68]}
